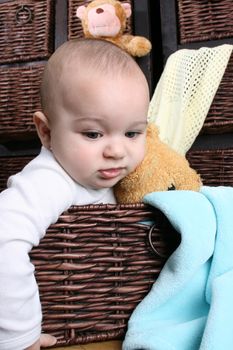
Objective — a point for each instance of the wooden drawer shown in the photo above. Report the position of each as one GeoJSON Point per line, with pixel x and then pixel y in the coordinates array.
{"type": "Point", "coordinates": [26, 30]}
{"type": "Point", "coordinates": [200, 20]}
{"type": "Point", "coordinates": [214, 166]}
{"type": "Point", "coordinates": [19, 95]}
{"type": "Point", "coordinates": [95, 265]}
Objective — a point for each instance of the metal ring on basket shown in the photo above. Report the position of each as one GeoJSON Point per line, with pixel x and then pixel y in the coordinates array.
{"type": "Point", "coordinates": [152, 244]}
{"type": "Point", "coordinates": [26, 11]}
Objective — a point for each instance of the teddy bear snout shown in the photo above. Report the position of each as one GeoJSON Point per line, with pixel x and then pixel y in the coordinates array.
{"type": "Point", "coordinates": [99, 10]}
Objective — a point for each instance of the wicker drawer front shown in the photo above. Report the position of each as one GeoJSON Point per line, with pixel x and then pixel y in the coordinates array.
{"type": "Point", "coordinates": [26, 30]}
{"type": "Point", "coordinates": [19, 95]}
{"type": "Point", "coordinates": [220, 115]}
{"type": "Point", "coordinates": [200, 20]}
{"type": "Point", "coordinates": [214, 166]}
{"type": "Point", "coordinates": [94, 266]}
{"type": "Point", "coordinates": [74, 23]}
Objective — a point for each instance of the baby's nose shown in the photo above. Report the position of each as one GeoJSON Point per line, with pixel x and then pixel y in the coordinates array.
{"type": "Point", "coordinates": [99, 10]}
{"type": "Point", "coordinates": [114, 150]}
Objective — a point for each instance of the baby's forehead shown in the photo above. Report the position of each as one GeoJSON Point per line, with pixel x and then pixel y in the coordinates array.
{"type": "Point", "coordinates": [68, 68]}
{"type": "Point", "coordinates": [74, 73]}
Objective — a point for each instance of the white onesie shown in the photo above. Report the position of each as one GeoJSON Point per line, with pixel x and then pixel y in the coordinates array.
{"type": "Point", "coordinates": [35, 198]}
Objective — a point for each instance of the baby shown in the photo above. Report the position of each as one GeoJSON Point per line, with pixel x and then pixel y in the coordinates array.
{"type": "Point", "coordinates": [95, 100]}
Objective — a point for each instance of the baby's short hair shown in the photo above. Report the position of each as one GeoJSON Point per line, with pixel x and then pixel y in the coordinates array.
{"type": "Point", "coordinates": [97, 55]}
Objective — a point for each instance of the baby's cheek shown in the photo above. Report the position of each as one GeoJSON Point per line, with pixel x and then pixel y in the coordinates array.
{"type": "Point", "coordinates": [142, 153]}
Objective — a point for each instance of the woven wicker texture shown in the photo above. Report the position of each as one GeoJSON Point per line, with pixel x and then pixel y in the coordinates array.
{"type": "Point", "coordinates": [10, 166]}
{"type": "Point", "coordinates": [200, 20]}
{"type": "Point", "coordinates": [215, 166]}
{"type": "Point", "coordinates": [74, 23]}
{"type": "Point", "coordinates": [19, 95]}
{"type": "Point", "coordinates": [94, 266]}
{"type": "Point", "coordinates": [26, 30]}
{"type": "Point", "coordinates": [220, 115]}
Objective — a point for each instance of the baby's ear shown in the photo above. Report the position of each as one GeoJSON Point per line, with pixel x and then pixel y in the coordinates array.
{"type": "Point", "coordinates": [42, 127]}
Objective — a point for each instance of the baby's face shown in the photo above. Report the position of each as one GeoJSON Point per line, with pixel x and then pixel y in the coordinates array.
{"type": "Point", "coordinates": [98, 135]}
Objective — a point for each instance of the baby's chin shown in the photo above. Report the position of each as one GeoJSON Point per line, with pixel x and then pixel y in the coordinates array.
{"type": "Point", "coordinates": [103, 184]}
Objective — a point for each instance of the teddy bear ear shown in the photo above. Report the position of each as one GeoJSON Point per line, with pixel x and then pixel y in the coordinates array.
{"type": "Point", "coordinates": [80, 11]}
{"type": "Point", "coordinates": [127, 7]}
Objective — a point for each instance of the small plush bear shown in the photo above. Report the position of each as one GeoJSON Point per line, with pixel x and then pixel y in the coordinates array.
{"type": "Point", "coordinates": [106, 19]}
{"type": "Point", "coordinates": [162, 169]}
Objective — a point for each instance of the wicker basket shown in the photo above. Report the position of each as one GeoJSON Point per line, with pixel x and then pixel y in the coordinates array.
{"type": "Point", "coordinates": [19, 95]}
{"type": "Point", "coordinates": [200, 20]}
{"type": "Point", "coordinates": [95, 265]}
{"type": "Point", "coordinates": [26, 30]}
{"type": "Point", "coordinates": [214, 166]}
{"type": "Point", "coordinates": [220, 115]}
{"type": "Point", "coordinates": [74, 23]}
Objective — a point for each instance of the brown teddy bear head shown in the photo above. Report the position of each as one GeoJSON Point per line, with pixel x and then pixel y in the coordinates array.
{"type": "Point", "coordinates": [104, 18]}
{"type": "Point", "coordinates": [162, 169]}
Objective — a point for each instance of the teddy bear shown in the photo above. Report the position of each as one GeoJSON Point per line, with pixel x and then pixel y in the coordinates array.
{"type": "Point", "coordinates": [162, 169]}
{"type": "Point", "coordinates": [106, 19]}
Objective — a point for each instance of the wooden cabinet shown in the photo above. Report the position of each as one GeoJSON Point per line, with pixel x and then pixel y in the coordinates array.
{"type": "Point", "coordinates": [32, 30]}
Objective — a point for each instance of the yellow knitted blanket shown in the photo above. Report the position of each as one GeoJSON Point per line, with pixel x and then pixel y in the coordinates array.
{"type": "Point", "coordinates": [184, 93]}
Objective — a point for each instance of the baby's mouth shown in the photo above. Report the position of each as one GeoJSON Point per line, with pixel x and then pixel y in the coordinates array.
{"type": "Point", "coordinates": [110, 173]}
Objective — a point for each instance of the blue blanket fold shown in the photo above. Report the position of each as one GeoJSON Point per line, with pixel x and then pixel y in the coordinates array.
{"type": "Point", "coordinates": [190, 306]}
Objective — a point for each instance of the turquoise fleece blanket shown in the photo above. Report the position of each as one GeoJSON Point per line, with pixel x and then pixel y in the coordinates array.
{"type": "Point", "coordinates": [190, 306]}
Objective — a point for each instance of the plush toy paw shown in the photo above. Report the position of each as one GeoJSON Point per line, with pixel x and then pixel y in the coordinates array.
{"type": "Point", "coordinates": [139, 46]}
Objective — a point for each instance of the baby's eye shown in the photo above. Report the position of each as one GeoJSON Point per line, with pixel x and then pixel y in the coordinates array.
{"type": "Point", "coordinates": [92, 134]}
{"type": "Point", "coordinates": [131, 134]}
